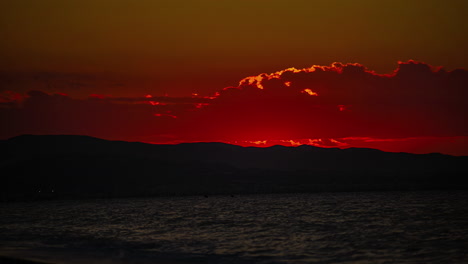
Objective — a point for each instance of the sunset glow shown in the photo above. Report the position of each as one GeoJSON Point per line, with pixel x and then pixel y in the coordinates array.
{"type": "Point", "coordinates": [148, 71]}
{"type": "Point", "coordinates": [309, 92]}
{"type": "Point", "coordinates": [233, 131]}
{"type": "Point", "coordinates": [265, 110]}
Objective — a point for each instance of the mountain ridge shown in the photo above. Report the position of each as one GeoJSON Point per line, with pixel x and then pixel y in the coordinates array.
{"type": "Point", "coordinates": [82, 166]}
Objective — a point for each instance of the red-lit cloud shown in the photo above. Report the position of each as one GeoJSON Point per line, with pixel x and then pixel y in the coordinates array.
{"type": "Point", "coordinates": [341, 105]}
{"type": "Point", "coordinates": [338, 101]}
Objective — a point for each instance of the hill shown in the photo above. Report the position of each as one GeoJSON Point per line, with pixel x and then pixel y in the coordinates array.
{"type": "Point", "coordinates": [65, 166]}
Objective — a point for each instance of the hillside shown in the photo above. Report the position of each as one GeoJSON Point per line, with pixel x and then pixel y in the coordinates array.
{"type": "Point", "coordinates": [59, 166]}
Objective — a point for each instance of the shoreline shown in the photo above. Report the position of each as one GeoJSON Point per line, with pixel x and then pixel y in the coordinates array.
{"type": "Point", "coordinates": [16, 260]}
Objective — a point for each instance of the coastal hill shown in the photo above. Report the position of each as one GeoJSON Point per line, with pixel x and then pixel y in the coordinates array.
{"type": "Point", "coordinates": [66, 166]}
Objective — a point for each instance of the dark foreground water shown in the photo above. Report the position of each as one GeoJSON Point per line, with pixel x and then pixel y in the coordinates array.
{"type": "Point", "coordinates": [390, 227]}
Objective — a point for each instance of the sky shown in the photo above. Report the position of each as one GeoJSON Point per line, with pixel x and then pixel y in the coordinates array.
{"type": "Point", "coordinates": [381, 74]}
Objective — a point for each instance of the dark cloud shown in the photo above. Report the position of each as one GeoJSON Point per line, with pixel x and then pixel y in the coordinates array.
{"type": "Point", "coordinates": [50, 81]}
{"type": "Point", "coordinates": [159, 99]}
{"type": "Point", "coordinates": [336, 105]}
{"type": "Point", "coordinates": [341, 100]}
{"type": "Point", "coordinates": [42, 113]}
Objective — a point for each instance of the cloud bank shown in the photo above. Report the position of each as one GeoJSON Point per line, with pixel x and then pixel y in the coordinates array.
{"type": "Point", "coordinates": [341, 100]}
{"type": "Point", "coordinates": [335, 105]}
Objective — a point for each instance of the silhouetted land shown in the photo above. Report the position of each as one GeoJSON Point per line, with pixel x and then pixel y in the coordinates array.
{"type": "Point", "coordinates": [8, 260]}
{"type": "Point", "coordinates": [51, 167]}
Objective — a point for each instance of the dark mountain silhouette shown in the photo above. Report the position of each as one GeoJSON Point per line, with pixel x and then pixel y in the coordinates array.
{"type": "Point", "coordinates": [62, 166]}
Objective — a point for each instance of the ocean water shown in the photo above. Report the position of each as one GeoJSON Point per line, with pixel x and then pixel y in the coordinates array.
{"type": "Point", "coordinates": [367, 227]}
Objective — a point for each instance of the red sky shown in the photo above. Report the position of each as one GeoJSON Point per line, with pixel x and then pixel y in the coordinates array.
{"type": "Point", "coordinates": [168, 72]}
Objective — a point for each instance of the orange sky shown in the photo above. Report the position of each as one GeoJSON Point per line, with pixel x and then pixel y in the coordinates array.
{"type": "Point", "coordinates": [205, 45]}
{"type": "Point", "coordinates": [130, 49]}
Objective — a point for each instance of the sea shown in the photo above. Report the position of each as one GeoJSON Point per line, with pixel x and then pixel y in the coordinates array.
{"type": "Point", "coordinates": [347, 227]}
